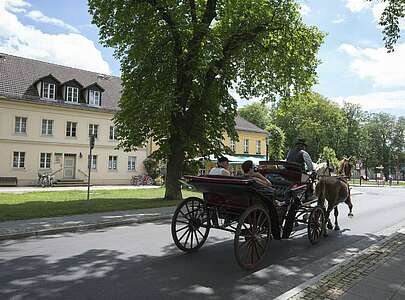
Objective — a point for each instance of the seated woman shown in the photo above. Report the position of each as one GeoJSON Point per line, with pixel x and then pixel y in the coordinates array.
{"type": "Point", "coordinates": [247, 168]}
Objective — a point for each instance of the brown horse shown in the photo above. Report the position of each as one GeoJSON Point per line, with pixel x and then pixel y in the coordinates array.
{"type": "Point", "coordinates": [345, 168]}
{"type": "Point", "coordinates": [335, 190]}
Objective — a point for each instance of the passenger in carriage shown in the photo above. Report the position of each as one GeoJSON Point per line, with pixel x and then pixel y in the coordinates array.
{"type": "Point", "coordinates": [222, 167]}
{"type": "Point", "coordinates": [302, 157]}
{"type": "Point", "coordinates": [248, 170]}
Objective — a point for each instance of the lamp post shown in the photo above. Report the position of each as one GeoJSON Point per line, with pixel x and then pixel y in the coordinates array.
{"type": "Point", "coordinates": [268, 137]}
{"type": "Point", "coordinates": [90, 161]}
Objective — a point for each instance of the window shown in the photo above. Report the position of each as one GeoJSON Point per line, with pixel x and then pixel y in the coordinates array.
{"type": "Point", "coordinates": [258, 147]}
{"type": "Point", "coordinates": [112, 162]}
{"type": "Point", "coordinates": [45, 161]}
{"type": "Point", "coordinates": [113, 135]}
{"type": "Point", "coordinates": [93, 130]}
{"type": "Point", "coordinates": [94, 98]}
{"type": "Point", "coordinates": [48, 90]}
{"type": "Point", "coordinates": [93, 162]}
{"type": "Point", "coordinates": [131, 163]}
{"type": "Point", "coordinates": [71, 129]}
{"type": "Point", "coordinates": [47, 127]}
{"type": "Point", "coordinates": [245, 146]}
{"type": "Point", "coordinates": [232, 145]}
{"type": "Point", "coordinates": [19, 160]}
{"type": "Point", "coordinates": [20, 125]}
{"type": "Point", "coordinates": [72, 94]}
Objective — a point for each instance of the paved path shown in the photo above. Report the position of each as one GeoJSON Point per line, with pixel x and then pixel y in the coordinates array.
{"type": "Point", "coordinates": [42, 226]}
{"type": "Point", "coordinates": [375, 273]}
{"type": "Point", "coordinates": [28, 189]}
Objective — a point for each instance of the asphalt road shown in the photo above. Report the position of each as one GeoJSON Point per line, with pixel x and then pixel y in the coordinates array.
{"type": "Point", "coordinates": [141, 261]}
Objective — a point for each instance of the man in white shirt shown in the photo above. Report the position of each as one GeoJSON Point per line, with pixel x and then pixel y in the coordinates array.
{"type": "Point", "coordinates": [222, 167]}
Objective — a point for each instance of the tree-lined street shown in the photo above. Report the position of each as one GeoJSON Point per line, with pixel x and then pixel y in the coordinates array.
{"type": "Point", "coordinates": [141, 261]}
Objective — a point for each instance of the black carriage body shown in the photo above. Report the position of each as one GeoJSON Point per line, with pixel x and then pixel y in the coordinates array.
{"type": "Point", "coordinates": [228, 197]}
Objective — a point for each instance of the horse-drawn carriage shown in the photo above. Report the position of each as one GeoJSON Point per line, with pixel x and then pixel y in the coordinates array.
{"type": "Point", "coordinates": [254, 213]}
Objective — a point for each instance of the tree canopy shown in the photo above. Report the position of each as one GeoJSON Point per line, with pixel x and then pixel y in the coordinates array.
{"type": "Point", "coordinates": [179, 59]}
{"type": "Point", "coordinates": [390, 18]}
{"type": "Point", "coordinates": [257, 113]}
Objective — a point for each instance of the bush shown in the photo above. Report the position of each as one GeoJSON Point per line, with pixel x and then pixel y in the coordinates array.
{"type": "Point", "coordinates": [152, 167]}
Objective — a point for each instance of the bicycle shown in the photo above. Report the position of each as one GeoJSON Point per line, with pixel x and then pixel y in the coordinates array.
{"type": "Point", "coordinates": [45, 180]}
{"type": "Point", "coordinates": [141, 180]}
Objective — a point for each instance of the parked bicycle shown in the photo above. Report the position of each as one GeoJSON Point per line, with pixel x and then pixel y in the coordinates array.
{"type": "Point", "coordinates": [141, 180]}
{"type": "Point", "coordinates": [45, 180]}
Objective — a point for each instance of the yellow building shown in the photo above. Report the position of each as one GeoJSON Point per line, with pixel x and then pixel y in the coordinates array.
{"type": "Point", "coordinates": [48, 112]}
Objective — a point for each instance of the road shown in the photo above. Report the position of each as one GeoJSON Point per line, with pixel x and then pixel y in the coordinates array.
{"type": "Point", "coordinates": [141, 262]}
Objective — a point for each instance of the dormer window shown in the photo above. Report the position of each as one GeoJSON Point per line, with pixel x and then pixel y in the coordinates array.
{"type": "Point", "coordinates": [48, 91]}
{"type": "Point", "coordinates": [94, 98]}
{"type": "Point", "coordinates": [72, 94]}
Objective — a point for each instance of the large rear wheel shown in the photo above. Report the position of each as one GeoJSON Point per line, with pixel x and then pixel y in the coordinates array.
{"type": "Point", "coordinates": [190, 224]}
{"type": "Point", "coordinates": [252, 237]}
{"type": "Point", "coordinates": [316, 224]}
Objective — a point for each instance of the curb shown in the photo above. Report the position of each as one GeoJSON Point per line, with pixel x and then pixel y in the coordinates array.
{"type": "Point", "coordinates": [296, 290]}
{"type": "Point", "coordinates": [83, 227]}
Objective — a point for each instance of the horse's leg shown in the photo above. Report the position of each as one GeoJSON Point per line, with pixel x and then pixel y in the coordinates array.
{"type": "Point", "coordinates": [348, 201]}
{"type": "Point", "coordinates": [336, 212]}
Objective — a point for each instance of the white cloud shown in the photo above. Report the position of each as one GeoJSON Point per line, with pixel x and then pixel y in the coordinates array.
{"type": "Point", "coordinates": [16, 6]}
{"type": "Point", "coordinates": [339, 19]}
{"type": "Point", "coordinates": [74, 50]}
{"type": "Point", "coordinates": [382, 68]}
{"type": "Point", "coordinates": [379, 101]}
{"type": "Point", "coordinates": [304, 9]}
{"type": "Point", "coordinates": [38, 16]}
{"type": "Point", "coordinates": [357, 5]}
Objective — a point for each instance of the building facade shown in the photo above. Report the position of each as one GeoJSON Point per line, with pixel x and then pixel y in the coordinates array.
{"type": "Point", "coordinates": [47, 114]}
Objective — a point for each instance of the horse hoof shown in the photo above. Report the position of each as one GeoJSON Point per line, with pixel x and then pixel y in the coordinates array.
{"type": "Point", "coordinates": [350, 215]}
{"type": "Point", "coordinates": [325, 234]}
{"type": "Point", "coordinates": [337, 228]}
{"type": "Point", "coordinates": [330, 226]}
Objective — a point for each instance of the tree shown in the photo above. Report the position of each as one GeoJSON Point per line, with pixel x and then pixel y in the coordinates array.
{"type": "Point", "coordinates": [354, 116]}
{"type": "Point", "coordinates": [328, 154]}
{"type": "Point", "coordinates": [276, 142]}
{"type": "Point", "coordinates": [180, 58]}
{"type": "Point", "coordinates": [313, 117]}
{"type": "Point", "coordinates": [257, 113]}
{"type": "Point", "coordinates": [390, 18]}
{"type": "Point", "coordinates": [380, 131]}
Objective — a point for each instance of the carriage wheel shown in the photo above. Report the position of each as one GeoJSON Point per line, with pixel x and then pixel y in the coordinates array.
{"type": "Point", "coordinates": [316, 224]}
{"type": "Point", "coordinates": [252, 237]}
{"type": "Point", "coordinates": [190, 224]}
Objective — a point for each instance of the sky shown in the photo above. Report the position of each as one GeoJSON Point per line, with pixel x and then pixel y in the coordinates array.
{"type": "Point", "coordinates": [355, 65]}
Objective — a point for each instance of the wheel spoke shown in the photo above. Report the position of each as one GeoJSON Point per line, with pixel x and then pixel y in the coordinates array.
{"type": "Point", "coordinates": [198, 230]}
{"type": "Point", "coordinates": [183, 235]}
{"type": "Point", "coordinates": [192, 236]}
{"type": "Point", "coordinates": [182, 228]}
{"type": "Point", "coordinates": [196, 237]}
{"type": "Point", "coordinates": [188, 235]}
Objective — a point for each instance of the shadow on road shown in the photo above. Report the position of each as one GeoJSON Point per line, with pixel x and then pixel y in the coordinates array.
{"type": "Point", "coordinates": [211, 273]}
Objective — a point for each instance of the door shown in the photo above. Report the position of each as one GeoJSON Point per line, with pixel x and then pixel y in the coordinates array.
{"type": "Point", "coordinates": [69, 166]}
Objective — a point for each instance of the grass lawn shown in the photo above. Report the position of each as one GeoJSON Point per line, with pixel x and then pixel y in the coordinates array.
{"type": "Point", "coordinates": [52, 204]}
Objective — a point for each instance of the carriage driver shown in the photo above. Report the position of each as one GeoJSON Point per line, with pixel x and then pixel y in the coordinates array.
{"type": "Point", "coordinates": [222, 167]}
{"type": "Point", "coordinates": [300, 156]}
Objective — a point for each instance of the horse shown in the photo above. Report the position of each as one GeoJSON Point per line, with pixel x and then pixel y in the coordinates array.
{"type": "Point", "coordinates": [345, 168]}
{"type": "Point", "coordinates": [334, 189]}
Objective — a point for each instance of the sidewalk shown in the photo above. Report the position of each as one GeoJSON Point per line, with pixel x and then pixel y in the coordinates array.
{"type": "Point", "coordinates": [42, 226]}
{"type": "Point", "coordinates": [375, 273]}
{"type": "Point", "coordinates": [28, 189]}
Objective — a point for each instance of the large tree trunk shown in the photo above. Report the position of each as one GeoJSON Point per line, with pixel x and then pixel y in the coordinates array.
{"type": "Point", "coordinates": [174, 172]}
